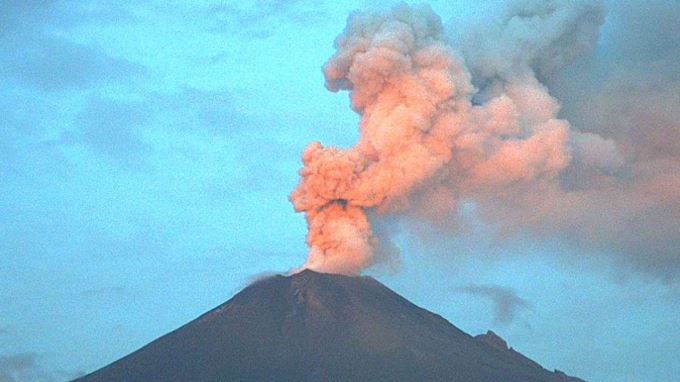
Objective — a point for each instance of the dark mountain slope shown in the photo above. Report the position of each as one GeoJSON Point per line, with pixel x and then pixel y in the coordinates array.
{"type": "Point", "coordinates": [322, 327]}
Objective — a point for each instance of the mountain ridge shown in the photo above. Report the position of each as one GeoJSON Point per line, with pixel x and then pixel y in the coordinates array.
{"type": "Point", "coordinates": [316, 326]}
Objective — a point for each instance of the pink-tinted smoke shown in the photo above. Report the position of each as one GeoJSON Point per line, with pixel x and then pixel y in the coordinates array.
{"type": "Point", "coordinates": [418, 123]}
{"type": "Point", "coordinates": [441, 129]}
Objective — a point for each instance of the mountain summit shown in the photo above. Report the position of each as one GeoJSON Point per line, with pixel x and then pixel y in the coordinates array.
{"type": "Point", "coordinates": [323, 327]}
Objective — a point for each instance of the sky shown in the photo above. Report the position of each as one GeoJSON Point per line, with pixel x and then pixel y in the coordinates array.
{"type": "Point", "coordinates": [148, 150]}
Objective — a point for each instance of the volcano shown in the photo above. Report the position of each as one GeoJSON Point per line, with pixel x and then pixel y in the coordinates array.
{"type": "Point", "coordinates": [323, 327]}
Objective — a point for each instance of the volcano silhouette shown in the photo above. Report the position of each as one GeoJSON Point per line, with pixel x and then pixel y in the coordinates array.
{"type": "Point", "coordinates": [323, 327]}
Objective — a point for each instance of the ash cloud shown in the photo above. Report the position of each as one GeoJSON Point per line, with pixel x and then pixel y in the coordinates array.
{"type": "Point", "coordinates": [506, 303]}
{"type": "Point", "coordinates": [620, 194]}
{"type": "Point", "coordinates": [483, 123]}
{"type": "Point", "coordinates": [629, 94]}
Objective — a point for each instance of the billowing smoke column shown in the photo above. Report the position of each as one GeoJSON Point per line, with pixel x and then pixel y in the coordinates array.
{"type": "Point", "coordinates": [438, 130]}
{"type": "Point", "coordinates": [414, 97]}
{"type": "Point", "coordinates": [417, 119]}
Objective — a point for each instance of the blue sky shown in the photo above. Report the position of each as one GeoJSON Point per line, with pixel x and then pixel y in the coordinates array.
{"type": "Point", "coordinates": [147, 150]}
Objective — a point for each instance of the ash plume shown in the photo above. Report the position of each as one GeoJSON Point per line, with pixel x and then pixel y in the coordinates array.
{"type": "Point", "coordinates": [441, 128]}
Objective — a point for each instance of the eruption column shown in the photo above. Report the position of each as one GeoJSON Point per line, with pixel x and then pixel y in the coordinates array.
{"type": "Point", "coordinates": [418, 128]}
